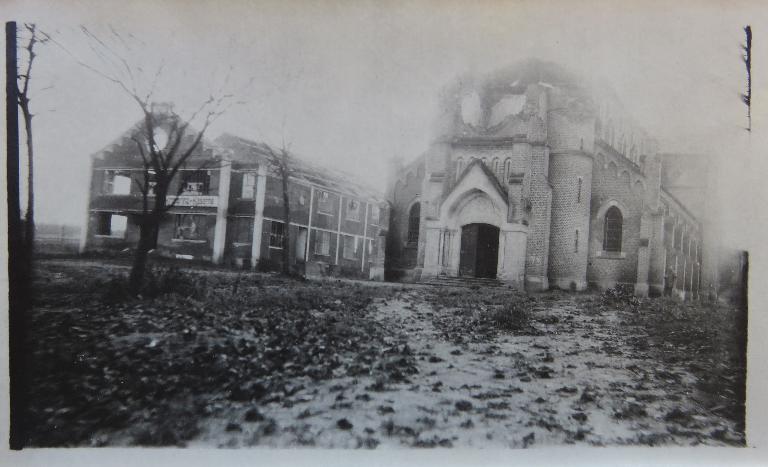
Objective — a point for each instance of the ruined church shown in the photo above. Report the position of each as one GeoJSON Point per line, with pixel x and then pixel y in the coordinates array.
{"type": "Point", "coordinates": [539, 180]}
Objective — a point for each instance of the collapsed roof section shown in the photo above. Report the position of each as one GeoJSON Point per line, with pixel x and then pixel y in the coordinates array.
{"type": "Point", "coordinates": [243, 150]}
{"type": "Point", "coordinates": [123, 150]}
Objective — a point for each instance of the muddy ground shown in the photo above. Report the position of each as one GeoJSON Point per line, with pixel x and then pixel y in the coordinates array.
{"type": "Point", "coordinates": [248, 360]}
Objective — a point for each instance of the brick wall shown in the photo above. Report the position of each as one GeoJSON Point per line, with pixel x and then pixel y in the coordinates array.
{"type": "Point", "coordinates": [518, 155]}
{"type": "Point", "coordinates": [612, 182]}
{"type": "Point", "coordinates": [570, 126]}
{"type": "Point", "coordinates": [571, 179]}
{"type": "Point", "coordinates": [537, 248]}
{"type": "Point", "coordinates": [406, 190]}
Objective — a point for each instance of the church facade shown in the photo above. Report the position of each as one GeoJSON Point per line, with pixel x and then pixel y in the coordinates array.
{"type": "Point", "coordinates": [538, 181]}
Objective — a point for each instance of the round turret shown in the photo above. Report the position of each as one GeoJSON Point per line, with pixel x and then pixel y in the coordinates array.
{"type": "Point", "coordinates": [570, 174]}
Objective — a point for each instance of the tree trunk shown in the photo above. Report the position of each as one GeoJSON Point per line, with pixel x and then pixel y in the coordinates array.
{"type": "Point", "coordinates": [146, 236]}
{"type": "Point", "coordinates": [155, 233]}
{"type": "Point", "coordinates": [18, 291]}
{"type": "Point", "coordinates": [29, 221]}
{"type": "Point", "coordinates": [286, 227]}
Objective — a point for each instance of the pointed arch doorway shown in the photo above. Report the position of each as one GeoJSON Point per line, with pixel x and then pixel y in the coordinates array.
{"type": "Point", "coordinates": [479, 255]}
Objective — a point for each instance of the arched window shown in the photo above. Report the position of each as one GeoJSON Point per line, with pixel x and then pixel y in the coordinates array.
{"type": "Point", "coordinates": [612, 230]}
{"type": "Point", "coordinates": [414, 216]}
{"type": "Point", "coordinates": [459, 167]}
{"type": "Point", "coordinates": [496, 166]}
{"type": "Point", "coordinates": [507, 169]}
{"type": "Point", "coordinates": [576, 242]}
{"type": "Point", "coordinates": [578, 192]}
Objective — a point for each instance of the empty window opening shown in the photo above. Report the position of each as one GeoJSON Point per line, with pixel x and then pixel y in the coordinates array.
{"type": "Point", "coordinates": [277, 235]}
{"type": "Point", "coordinates": [249, 186]}
{"type": "Point", "coordinates": [353, 210]}
{"type": "Point", "coordinates": [196, 182]}
{"type": "Point", "coordinates": [242, 229]}
{"type": "Point", "coordinates": [374, 214]}
{"type": "Point", "coordinates": [322, 243]}
{"type": "Point", "coordinates": [113, 225]}
{"type": "Point", "coordinates": [189, 227]}
{"type": "Point", "coordinates": [117, 182]}
{"type": "Point", "coordinates": [350, 247]}
{"type": "Point", "coordinates": [324, 205]}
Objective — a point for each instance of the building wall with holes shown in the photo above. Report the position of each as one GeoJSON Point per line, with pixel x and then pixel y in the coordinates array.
{"type": "Point", "coordinates": [332, 230]}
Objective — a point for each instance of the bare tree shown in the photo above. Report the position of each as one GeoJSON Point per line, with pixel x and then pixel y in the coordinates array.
{"type": "Point", "coordinates": [160, 165]}
{"type": "Point", "coordinates": [22, 82]}
{"type": "Point", "coordinates": [747, 59]}
{"type": "Point", "coordinates": [159, 168]}
{"type": "Point", "coordinates": [280, 165]}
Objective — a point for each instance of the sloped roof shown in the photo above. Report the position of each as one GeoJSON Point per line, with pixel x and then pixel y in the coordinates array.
{"type": "Point", "coordinates": [244, 150]}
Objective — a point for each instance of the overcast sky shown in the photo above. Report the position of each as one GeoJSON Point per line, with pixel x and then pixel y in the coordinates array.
{"type": "Point", "coordinates": [350, 84]}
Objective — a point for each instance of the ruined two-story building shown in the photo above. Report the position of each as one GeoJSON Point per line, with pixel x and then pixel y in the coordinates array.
{"type": "Point", "coordinates": [230, 210]}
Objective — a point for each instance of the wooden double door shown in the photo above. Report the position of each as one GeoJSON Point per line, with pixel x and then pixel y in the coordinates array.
{"type": "Point", "coordinates": [479, 256]}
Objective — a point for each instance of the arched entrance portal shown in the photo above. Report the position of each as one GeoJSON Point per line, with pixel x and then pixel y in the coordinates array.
{"type": "Point", "coordinates": [479, 250]}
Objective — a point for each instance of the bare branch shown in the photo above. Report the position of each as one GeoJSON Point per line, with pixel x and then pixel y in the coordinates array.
{"type": "Point", "coordinates": [142, 186]}
{"type": "Point", "coordinates": [177, 132]}
{"type": "Point", "coordinates": [148, 162]}
{"type": "Point", "coordinates": [30, 48]}
{"type": "Point", "coordinates": [152, 87]}
{"type": "Point", "coordinates": [117, 56]}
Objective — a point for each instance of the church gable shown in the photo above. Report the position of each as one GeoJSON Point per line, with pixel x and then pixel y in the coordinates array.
{"type": "Point", "coordinates": [475, 178]}
{"type": "Point", "coordinates": [478, 172]}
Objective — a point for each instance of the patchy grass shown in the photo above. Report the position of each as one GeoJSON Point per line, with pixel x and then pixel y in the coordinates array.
{"type": "Point", "coordinates": [220, 358]}
{"type": "Point", "coordinates": [708, 340]}
{"type": "Point", "coordinates": [478, 314]}
{"type": "Point", "coordinates": [622, 295]}
{"type": "Point", "coordinates": [106, 368]}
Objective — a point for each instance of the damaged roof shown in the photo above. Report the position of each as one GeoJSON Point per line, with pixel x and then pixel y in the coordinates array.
{"type": "Point", "coordinates": [244, 150]}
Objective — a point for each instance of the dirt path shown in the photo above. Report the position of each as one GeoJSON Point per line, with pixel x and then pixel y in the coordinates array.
{"type": "Point", "coordinates": [577, 383]}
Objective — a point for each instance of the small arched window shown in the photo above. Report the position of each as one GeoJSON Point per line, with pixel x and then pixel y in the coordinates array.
{"type": "Point", "coordinates": [496, 165]}
{"type": "Point", "coordinates": [459, 167]}
{"type": "Point", "coordinates": [612, 230]}
{"type": "Point", "coordinates": [507, 169]}
{"type": "Point", "coordinates": [578, 192]}
{"type": "Point", "coordinates": [414, 217]}
{"type": "Point", "coordinates": [576, 242]}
